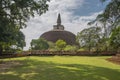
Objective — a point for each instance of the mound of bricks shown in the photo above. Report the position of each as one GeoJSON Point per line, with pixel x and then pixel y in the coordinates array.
{"type": "Point", "coordinates": [115, 59]}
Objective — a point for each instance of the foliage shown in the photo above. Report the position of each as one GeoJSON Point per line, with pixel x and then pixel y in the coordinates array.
{"type": "Point", "coordinates": [112, 13]}
{"type": "Point", "coordinates": [17, 12]}
{"type": "Point", "coordinates": [110, 19]}
{"type": "Point", "coordinates": [82, 49]}
{"type": "Point", "coordinates": [89, 37]}
{"type": "Point", "coordinates": [115, 38]}
{"type": "Point", "coordinates": [39, 44]}
{"type": "Point", "coordinates": [51, 45]}
{"type": "Point", "coordinates": [60, 44]}
{"type": "Point", "coordinates": [20, 40]}
{"type": "Point", "coordinates": [110, 16]}
{"type": "Point", "coordinates": [103, 44]}
{"type": "Point", "coordinates": [17, 42]}
{"type": "Point", "coordinates": [71, 48]}
{"type": "Point", "coordinates": [13, 17]}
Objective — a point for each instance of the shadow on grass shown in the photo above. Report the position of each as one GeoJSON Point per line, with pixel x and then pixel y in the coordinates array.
{"type": "Point", "coordinates": [40, 70]}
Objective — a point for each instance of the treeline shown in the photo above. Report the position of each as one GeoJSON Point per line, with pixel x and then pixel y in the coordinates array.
{"type": "Point", "coordinates": [94, 39]}
{"type": "Point", "coordinates": [59, 45]}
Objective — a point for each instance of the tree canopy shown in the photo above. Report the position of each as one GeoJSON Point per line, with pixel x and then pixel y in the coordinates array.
{"type": "Point", "coordinates": [110, 16]}
{"type": "Point", "coordinates": [39, 44]}
{"type": "Point", "coordinates": [89, 37]}
{"type": "Point", "coordinates": [17, 12]}
{"type": "Point", "coordinates": [115, 38]}
{"type": "Point", "coordinates": [13, 16]}
{"type": "Point", "coordinates": [110, 19]}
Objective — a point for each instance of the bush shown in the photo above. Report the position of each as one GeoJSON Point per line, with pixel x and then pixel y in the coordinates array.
{"type": "Point", "coordinates": [70, 48]}
{"type": "Point", "coordinates": [82, 49]}
{"type": "Point", "coordinates": [60, 45]}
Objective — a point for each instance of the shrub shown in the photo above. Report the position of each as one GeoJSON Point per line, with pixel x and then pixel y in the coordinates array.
{"type": "Point", "coordinates": [70, 48]}
{"type": "Point", "coordinates": [82, 49]}
{"type": "Point", "coordinates": [60, 45]}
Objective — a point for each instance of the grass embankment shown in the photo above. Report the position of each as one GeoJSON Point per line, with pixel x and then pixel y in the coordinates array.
{"type": "Point", "coordinates": [59, 68]}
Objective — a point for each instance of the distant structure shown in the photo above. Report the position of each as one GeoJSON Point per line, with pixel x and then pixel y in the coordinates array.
{"type": "Point", "coordinates": [58, 32]}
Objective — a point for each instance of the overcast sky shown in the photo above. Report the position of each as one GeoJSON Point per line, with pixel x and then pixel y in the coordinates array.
{"type": "Point", "coordinates": [75, 15]}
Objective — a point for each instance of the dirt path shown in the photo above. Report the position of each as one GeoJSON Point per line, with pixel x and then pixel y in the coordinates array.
{"type": "Point", "coordinates": [8, 64]}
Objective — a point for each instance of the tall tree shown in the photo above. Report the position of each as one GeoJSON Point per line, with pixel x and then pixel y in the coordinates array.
{"type": "Point", "coordinates": [110, 19]}
{"type": "Point", "coordinates": [19, 39]}
{"type": "Point", "coordinates": [14, 14]}
{"type": "Point", "coordinates": [17, 43]}
{"type": "Point", "coordinates": [14, 38]}
{"type": "Point", "coordinates": [89, 37]}
{"type": "Point", "coordinates": [111, 15]}
{"type": "Point", "coordinates": [112, 12]}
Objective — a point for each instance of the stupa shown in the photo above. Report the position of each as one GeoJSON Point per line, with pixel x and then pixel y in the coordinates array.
{"type": "Point", "coordinates": [58, 33]}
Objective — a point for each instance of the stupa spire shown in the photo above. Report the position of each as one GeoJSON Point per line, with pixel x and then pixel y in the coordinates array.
{"type": "Point", "coordinates": [58, 26]}
{"type": "Point", "coordinates": [59, 19]}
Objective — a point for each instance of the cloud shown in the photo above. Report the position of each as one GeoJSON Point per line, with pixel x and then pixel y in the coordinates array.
{"type": "Point", "coordinates": [74, 23]}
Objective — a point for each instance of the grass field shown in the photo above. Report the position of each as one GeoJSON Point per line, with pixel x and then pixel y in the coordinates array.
{"type": "Point", "coordinates": [59, 68]}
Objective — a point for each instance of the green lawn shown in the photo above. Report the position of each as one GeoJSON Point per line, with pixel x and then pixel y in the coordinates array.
{"type": "Point", "coordinates": [61, 68]}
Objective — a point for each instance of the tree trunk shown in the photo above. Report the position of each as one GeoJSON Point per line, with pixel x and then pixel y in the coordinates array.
{"type": "Point", "coordinates": [89, 39]}
{"type": "Point", "coordinates": [89, 48]}
{"type": "Point", "coordinates": [1, 50]}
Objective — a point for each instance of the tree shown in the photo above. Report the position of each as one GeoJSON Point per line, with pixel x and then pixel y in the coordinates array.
{"type": "Point", "coordinates": [39, 44]}
{"type": "Point", "coordinates": [110, 19]}
{"type": "Point", "coordinates": [17, 12]}
{"type": "Point", "coordinates": [14, 37]}
{"type": "Point", "coordinates": [89, 37]}
{"type": "Point", "coordinates": [60, 44]}
{"type": "Point", "coordinates": [111, 15]}
{"type": "Point", "coordinates": [19, 40]}
{"type": "Point", "coordinates": [13, 16]}
{"type": "Point", "coordinates": [115, 38]}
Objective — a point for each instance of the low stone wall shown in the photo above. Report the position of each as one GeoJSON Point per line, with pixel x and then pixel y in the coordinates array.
{"type": "Point", "coordinates": [10, 55]}
{"type": "Point", "coordinates": [77, 53]}
{"type": "Point", "coordinates": [60, 53]}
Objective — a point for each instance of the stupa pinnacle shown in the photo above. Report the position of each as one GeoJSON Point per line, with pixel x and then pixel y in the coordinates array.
{"type": "Point", "coordinates": [58, 26]}
{"type": "Point", "coordinates": [59, 19]}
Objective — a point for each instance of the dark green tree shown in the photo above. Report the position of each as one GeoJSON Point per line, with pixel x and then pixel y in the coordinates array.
{"type": "Point", "coordinates": [13, 16]}
{"type": "Point", "coordinates": [39, 44]}
{"type": "Point", "coordinates": [19, 40]}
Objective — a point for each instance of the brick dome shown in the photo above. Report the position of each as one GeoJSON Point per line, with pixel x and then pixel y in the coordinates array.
{"type": "Point", "coordinates": [53, 36]}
